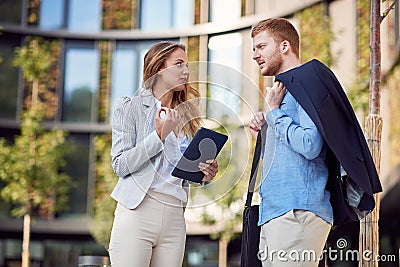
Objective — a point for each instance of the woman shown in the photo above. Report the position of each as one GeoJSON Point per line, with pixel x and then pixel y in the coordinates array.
{"type": "Point", "coordinates": [149, 133]}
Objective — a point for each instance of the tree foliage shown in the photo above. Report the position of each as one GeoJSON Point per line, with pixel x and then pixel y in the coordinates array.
{"type": "Point", "coordinates": [120, 14]}
{"type": "Point", "coordinates": [31, 169]}
{"type": "Point", "coordinates": [40, 75]}
{"type": "Point", "coordinates": [104, 205]}
{"type": "Point", "coordinates": [32, 163]}
{"type": "Point", "coordinates": [359, 92]}
{"type": "Point", "coordinates": [316, 34]}
{"type": "Point", "coordinates": [35, 48]}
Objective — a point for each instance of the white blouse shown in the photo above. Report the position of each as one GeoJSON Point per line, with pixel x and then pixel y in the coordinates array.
{"type": "Point", "coordinates": [163, 181]}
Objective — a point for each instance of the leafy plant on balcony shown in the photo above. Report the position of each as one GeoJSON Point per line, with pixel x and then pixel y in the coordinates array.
{"type": "Point", "coordinates": [120, 14]}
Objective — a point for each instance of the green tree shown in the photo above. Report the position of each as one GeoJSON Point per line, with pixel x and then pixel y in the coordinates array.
{"type": "Point", "coordinates": [31, 165]}
{"type": "Point", "coordinates": [34, 60]}
{"type": "Point", "coordinates": [104, 205]}
{"type": "Point", "coordinates": [369, 228]}
{"type": "Point", "coordinates": [314, 24]}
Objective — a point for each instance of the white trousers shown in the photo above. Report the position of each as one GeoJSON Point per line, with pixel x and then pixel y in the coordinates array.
{"type": "Point", "coordinates": [153, 234]}
{"type": "Point", "coordinates": [296, 238]}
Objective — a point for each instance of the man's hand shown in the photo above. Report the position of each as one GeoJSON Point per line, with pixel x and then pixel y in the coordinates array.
{"type": "Point", "coordinates": [274, 96]}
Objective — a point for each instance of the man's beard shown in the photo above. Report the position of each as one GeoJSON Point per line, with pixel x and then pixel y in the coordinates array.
{"type": "Point", "coordinates": [274, 64]}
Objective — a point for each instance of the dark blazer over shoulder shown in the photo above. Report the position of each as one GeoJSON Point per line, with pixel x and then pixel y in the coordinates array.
{"type": "Point", "coordinates": [320, 94]}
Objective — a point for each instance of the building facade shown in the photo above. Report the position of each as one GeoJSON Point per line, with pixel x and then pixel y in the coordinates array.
{"type": "Point", "coordinates": [97, 57]}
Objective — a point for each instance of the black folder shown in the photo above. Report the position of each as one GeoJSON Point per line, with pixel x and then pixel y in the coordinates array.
{"type": "Point", "coordinates": [205, 145]}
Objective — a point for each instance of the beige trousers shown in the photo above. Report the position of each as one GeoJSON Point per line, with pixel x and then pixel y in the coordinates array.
{"type": "Point", "coordinates": [153, 234]}
{"type": "Point", "coordinates": [296, 238]}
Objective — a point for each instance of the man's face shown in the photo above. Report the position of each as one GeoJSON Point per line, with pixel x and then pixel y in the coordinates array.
{"type": "Point", "coordinates": [267, 54]}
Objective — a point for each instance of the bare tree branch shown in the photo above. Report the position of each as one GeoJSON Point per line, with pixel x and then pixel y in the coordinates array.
{"type": "Point", "coordinates": [386, 12]}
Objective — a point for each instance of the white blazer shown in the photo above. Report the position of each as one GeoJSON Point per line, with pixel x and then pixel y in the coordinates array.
{"type": "Point", "coordinates": [136, 148]}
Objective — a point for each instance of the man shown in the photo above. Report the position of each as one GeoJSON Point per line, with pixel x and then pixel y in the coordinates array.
{"type": "Point", "coordinates": [295, 210]}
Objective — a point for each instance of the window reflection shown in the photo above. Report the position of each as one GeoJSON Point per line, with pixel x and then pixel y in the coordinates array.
{"type": "Point", "coordinates": [225, 78]}
{"type": "Point", "coordinates": [124, 74]}
{"type": "Point", "coordinates": [81, 83]}
{"type": "Point", "coordinates": [51, 14]}
{"type": "Point", "coordinates": [183, 13]}
{"type": "Point", "coordinates": [201, 252]}
{"type": "Point", "coordinates": [8, 76]}
{"type": "Point", "coordinates": [142, 52]}
{"type": "Point", "coordinates": [155, 14]}
{"type": "Point", "coordinates": [127, 69]}
{"type": "Point", "coordinates": [77, 167]}
{"type": "Point", "coordinates": [11, 11]}
{"type": "Point", "coordinates": [84, 15]}
{"type": "Point", "coordinates": [160, 15]}
{"type": "Point", "coordinates": [223, 11]}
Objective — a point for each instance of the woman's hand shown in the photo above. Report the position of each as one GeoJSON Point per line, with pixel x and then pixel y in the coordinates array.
{"type": "Point", "coordinates": [256, 123]}
{"type": "Point", "coordinates": [166, 123]}
{"type": "Point", "coordinates": [209, 168]}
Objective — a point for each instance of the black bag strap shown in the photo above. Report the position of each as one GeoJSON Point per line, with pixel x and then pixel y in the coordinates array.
{"type": "Point", "coordinates": [254, 168]}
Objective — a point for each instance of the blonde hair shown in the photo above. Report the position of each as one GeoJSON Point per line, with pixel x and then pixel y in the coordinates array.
{"type": "Point", "coordinates": [185, 101]}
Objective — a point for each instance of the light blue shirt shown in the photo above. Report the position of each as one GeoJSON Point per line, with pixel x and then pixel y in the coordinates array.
{"type": "Point", "coordinates": [294, 173]}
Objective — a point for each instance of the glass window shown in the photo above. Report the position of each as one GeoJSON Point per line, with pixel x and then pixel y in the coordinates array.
{"type": "Point", "coordinates": [84, 15]}
{"type": "Point", "coordinates": [80, 83]}
{"type": "Point", "coordinates": [160, 15]}
{"type": "Point", "coordinates": [183, 15]}
{"type": "Point", "coordinates": [142, 50]}
{"type": "Point", "coordinates": [59, 252]}
{"type": "Point", "coordinates": [224, 72]}
{"type": "Point", "coordinates": [77, 167]}
{"type": "Point", "coordinates": [225, 11]}
{"type": "Point", "coordinates": [51, 14]}
{"type": "Point", "coordinates": [127, 69]}
{"type": "Point", "coordinates": [201, 252]}
{"type": "Point", "coordinates": [11, 11]}
{"type": "Point", "coordinates": [156, 15]}
{"type": "Point", "coordinates": [8, 76]}
{"type": "Point", "coordinates": [124, 73]}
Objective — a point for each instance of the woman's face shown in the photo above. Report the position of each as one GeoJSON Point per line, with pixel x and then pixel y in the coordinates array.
{"type": "Point", "coordinates": [175, 73]}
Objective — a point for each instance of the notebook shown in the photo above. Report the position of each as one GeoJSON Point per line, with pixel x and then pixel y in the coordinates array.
{"type": "Point", "coordinates": [205, 145]}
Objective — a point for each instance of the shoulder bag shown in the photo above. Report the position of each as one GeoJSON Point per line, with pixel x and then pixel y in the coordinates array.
{"type": "Point", "coordinates": [251, 231]}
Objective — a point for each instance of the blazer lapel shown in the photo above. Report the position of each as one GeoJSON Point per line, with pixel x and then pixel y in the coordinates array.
{"type": "Point", "coordinates": [149, 109]}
